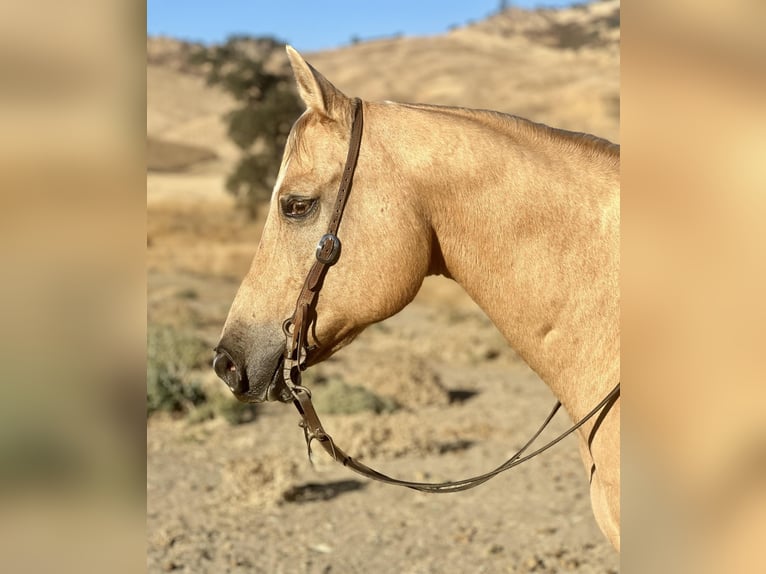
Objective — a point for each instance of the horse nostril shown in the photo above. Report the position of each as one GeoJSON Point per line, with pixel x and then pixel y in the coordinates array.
{"type": "Point", "coordinates": [225, 367]}
{"type": "Point", "coordinates": [222, 365]}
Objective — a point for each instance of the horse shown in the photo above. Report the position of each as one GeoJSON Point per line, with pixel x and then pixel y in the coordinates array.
{"type": "Point", "coordinates": [523, 216]}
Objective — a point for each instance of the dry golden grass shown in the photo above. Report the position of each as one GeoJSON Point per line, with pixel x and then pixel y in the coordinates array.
{"type": "Point", "coordinates": [167, 156]}
{"type": "Point", "coordinates": [559, 67]}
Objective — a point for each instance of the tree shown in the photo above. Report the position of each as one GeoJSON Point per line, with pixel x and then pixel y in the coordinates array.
{"type": "Point", "coordinates": [268, 105]}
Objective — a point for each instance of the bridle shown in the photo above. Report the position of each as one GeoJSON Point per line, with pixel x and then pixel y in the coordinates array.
{"type": "Point", "coordinates": [297, 348]}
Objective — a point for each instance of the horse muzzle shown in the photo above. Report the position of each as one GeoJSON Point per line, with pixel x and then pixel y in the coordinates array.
{"type": "Point", "coordinates": [251, 385]}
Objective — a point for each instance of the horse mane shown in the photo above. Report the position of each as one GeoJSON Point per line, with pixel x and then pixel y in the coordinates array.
{"type": "Point", "coordinates": [570, 141]}
{"type": "Point", "coordinates": [592, 145]}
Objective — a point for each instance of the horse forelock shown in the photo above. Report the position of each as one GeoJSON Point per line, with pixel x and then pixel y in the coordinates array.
{"type": "Point", "coordinates": [295, 147]}
{"type": "Point", "coordinates": [300, 148]}
{"type": "Point", "coordinates": [296, 141]}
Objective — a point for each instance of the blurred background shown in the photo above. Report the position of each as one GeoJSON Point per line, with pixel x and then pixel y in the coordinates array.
{"type": "Point", "coordinates": [116, 167]}
{"type": "Point", "coordinates": [438, 390]}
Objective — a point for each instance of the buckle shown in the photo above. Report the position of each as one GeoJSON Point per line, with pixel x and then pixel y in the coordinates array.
{"type": "Point", "coordinates": [322, 254]}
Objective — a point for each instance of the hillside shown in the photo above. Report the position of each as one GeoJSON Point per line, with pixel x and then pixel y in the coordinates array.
{"type": "Point", "coordinates": [559, 67]}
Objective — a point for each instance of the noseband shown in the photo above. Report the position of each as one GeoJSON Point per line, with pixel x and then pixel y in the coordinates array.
{"type": "Point", "coordinates": [303, 321]}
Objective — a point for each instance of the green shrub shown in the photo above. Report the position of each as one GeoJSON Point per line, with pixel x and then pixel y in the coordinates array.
{"type": "Point", "coordinates": [188, 293]}
{"type": "Point", "coordinates": [235, 412]}
{"type": "Point", "coordinates": [171, 355]}
{"type": "Point", "coordinates": [267, 106]}
{"type": "Point", "coordinates": [221, 405]}
{"type": "Point", "coordinates": [338, 397]}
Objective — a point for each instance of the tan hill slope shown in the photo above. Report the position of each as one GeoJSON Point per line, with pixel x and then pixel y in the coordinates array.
{"type": "Point", "coordinates": [559, 67]}
{"type": "Point", "coordinates": [184, 116]}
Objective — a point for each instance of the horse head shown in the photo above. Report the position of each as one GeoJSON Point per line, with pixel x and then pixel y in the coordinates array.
{"type": "Point", "coordinates": [386, 243]}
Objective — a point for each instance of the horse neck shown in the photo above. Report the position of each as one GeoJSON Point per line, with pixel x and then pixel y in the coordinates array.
{"type": "Point", "coordinates": [526, 219]}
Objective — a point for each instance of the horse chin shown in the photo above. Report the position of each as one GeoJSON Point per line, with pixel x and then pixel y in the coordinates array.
{"type": "Point", "coordinates": [277, 389]}
{"type": "Point", "coordinates": [279, 392]}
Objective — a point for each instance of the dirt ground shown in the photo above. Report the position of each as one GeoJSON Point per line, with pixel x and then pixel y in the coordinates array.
{"type": "Point", "coordinates": [223, 498]}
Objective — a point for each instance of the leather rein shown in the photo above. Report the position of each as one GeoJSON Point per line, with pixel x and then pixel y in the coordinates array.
{"type": "Point", "coordinates": [297, 348]}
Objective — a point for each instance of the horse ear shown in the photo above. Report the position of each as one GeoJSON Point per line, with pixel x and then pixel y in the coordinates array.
{"type": "Point", "coordinates": [315, 90]}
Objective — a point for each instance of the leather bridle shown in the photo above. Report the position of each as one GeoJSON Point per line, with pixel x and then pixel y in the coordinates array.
{"type": "Point", "coordinates": [303, 321]}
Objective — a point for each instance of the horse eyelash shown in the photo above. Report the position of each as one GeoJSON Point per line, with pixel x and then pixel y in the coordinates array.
{"type": "Point", "coordinates": [285, 203]}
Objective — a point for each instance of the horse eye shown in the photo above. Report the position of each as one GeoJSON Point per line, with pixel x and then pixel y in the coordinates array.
{"type": "Point", "coordinates": [297, 207]}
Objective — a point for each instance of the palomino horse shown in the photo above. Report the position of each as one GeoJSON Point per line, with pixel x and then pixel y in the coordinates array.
{"type": "Point", "coordinates": [524, 217]}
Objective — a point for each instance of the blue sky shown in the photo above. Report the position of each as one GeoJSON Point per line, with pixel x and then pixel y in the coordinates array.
{"type": "Point", "coordinates": [316, 24]}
